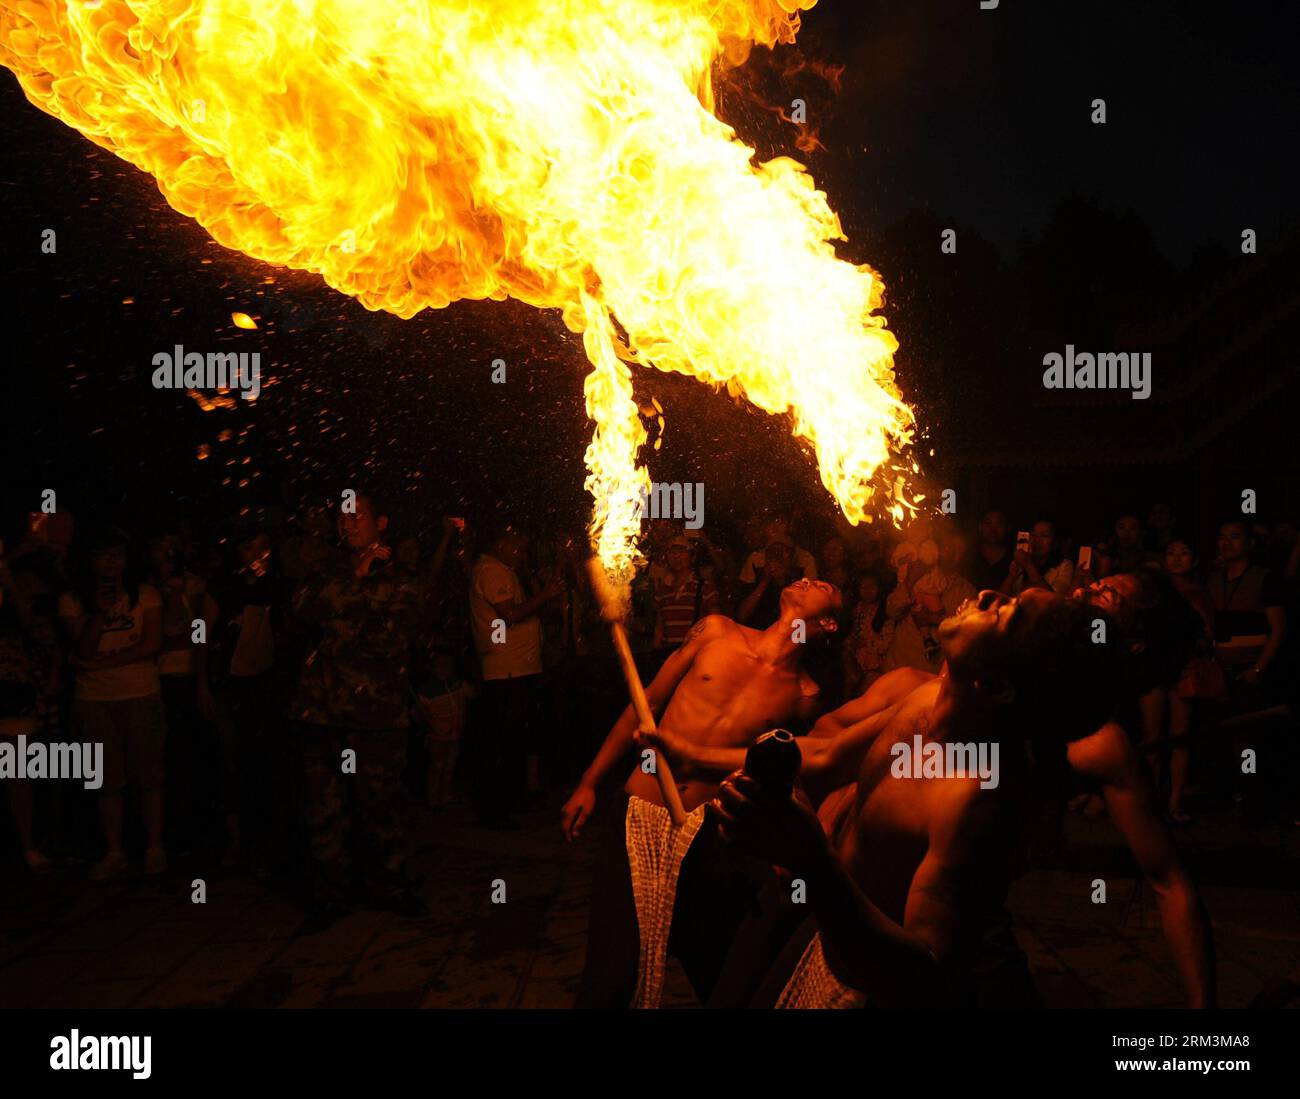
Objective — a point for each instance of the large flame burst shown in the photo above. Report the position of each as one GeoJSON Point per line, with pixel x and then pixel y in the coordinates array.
{"type": "Point", "coordinates": [562, 152]}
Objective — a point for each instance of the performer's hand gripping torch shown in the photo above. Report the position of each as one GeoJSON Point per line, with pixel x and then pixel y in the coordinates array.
{"type": "Point", "coordinates": [609, 610]}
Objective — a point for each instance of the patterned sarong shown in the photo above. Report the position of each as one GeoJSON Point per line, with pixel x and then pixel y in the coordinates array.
{"type": "Point", "coordinates": [655, 850]}
{"type": "Point", "coordinates": [813, 985]}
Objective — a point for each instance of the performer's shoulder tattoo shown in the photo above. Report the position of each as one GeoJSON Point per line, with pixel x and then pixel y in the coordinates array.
{"type": "Point", "coordinates": [695, 632]}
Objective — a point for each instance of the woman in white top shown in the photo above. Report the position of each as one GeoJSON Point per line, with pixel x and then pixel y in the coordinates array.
{"type": "Point", "coordinates": [114, 624]}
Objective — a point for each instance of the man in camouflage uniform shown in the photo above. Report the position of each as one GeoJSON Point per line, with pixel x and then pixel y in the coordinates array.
{"type": "Point", "coordinates": [353, 695]}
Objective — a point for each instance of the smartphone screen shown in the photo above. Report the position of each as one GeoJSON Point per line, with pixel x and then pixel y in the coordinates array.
{"type": "Point", "coordinates": [1085, 558]}
{"type": "Point", "coordinates": [1022, 541]}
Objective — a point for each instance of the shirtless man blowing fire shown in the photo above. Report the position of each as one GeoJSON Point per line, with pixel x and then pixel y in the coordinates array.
{"type": "Point", "coordinates": [1154, 638]}
{"type": "Point", "coordinates": [723, 688]}
{"type": "Point", "coordinates": [901, 890]}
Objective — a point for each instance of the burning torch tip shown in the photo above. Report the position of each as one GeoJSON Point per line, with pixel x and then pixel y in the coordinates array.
{"type": "Point", "coordinates": [611, 607]}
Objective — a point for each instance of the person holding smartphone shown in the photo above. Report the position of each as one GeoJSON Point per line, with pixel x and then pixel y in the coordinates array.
{"type": "Point", "coordinates": [1039, 562]}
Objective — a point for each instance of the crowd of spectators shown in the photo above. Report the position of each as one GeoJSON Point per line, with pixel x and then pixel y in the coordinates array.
{"type": "Point", "coordinates": [239, 680]}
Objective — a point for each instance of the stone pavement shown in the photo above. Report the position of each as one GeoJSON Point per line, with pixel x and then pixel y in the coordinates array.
{"type": "Point", "coordinates": [65, 942]}
{"type": "Point", "coordinates": [1114, 955]}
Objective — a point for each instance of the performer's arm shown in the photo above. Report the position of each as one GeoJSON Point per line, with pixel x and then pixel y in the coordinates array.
{"type": "Point", "coordinates": [577, 810]}
{"type": "Point", "coordinates": [889, 689]}
{"type": "Point", "coordinates": [895, 965]}
{"type": "Point", "coordinates": [834, 722]}
{"type": "Point", "coordinates": [1109, 756]}
{"type": "Point", "coordinates": [829, 763]}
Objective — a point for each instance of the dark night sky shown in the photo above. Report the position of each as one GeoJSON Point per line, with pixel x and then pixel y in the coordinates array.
{"type": "Point", "coordinates": [981, 117]}
{"type": "Point", "coordinates": [984, 115]}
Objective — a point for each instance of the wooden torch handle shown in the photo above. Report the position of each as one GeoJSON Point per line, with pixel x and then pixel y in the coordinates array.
{"type": "Point", "coordinates": [646, 718]}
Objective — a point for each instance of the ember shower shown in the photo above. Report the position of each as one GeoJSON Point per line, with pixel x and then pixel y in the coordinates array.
{"type": "Point", "coordinates": [562, 152]}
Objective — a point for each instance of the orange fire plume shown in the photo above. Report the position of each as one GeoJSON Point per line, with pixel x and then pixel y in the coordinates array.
{"type": "Point", "coordinates": [562, 152]}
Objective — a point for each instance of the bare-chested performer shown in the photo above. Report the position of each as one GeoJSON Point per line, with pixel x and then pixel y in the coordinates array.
{"type": "Point", "coordinates": [1155, 635]}
{"type": "Point", "coordinates": [725, 686]}
{"type": "Point", "coordinates": [901, 893]}
{"type": "Point", "coordinates": [1156, 632]}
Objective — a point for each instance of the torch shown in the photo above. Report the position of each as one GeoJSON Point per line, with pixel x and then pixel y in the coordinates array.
{"type": "Point", "coordinates": [610, 611]}
{"type": "Point", "coordinates": [773, 761]}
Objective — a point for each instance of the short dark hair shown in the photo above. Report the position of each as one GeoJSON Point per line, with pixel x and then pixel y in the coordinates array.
{"type": "Point", "coordinates": [1067, 684]}
{"type": "Point", "coordinates": [379, 507]}
{"type": "Point", "coordinates": [97, 540]}
{"type": "Point", "coordinates": [1237, 521]}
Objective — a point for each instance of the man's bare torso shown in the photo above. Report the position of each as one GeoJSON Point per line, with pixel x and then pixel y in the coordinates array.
{"type": "Point", "coordinates": [889, 690]}
{"type": "Point", "coordinates": [886, 829]}
{"type": "Point", "coordinates": [728, 698]}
